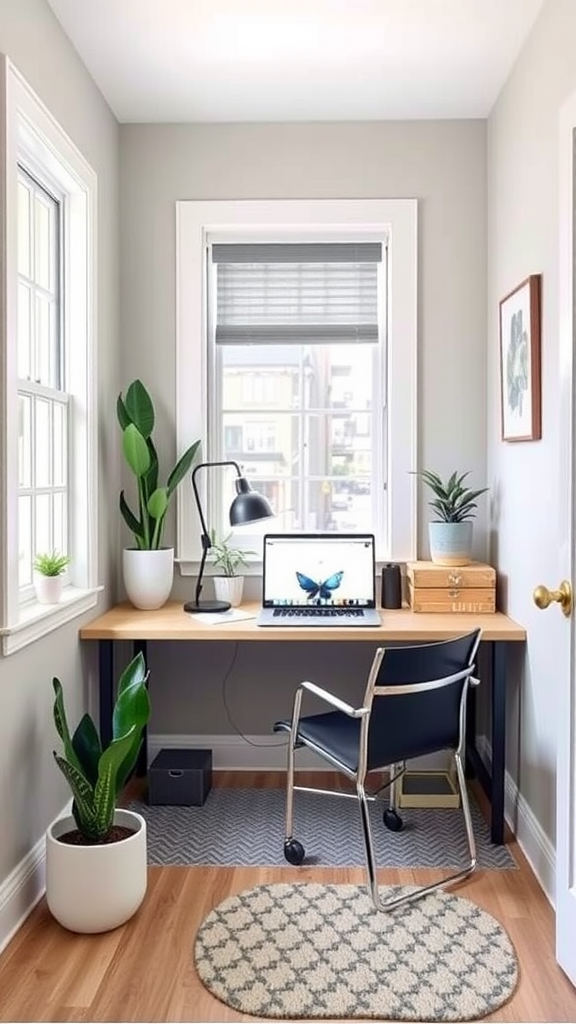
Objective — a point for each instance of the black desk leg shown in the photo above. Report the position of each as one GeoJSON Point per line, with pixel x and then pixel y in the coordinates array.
{"type": "Point", "coordinates": [106, 689]}
{"type": "Point", "coordinates": [498, 739]}
{"type": "Point", "coordinates": [142, 762]}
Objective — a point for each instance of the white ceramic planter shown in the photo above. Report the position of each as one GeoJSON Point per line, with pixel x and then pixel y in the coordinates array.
{"type": "Point", "coordinates": [148, 576]}
{"type": "Point", "coordinates": [96, 888]}
{"type": "Point", "coordinates": [450, 543]}
{"type": "Point", "coordinates": [48, 588]}
{"type": "Point", "coordinates": [229, 588]}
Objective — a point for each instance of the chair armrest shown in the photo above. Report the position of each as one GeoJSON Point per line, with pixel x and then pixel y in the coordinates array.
{"type": "Point", "coordinates": [330, 698]}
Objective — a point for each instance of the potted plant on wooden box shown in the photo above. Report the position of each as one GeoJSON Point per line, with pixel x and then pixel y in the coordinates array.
{"type": "Point", "coordinates": [229, 584]}
{"type": "Point", "coordinates": [49, 568]}
{"type": "Point", "coordinates": [96, 868]}
{"type": "Point", "coordinates": [148, 566]}
{"type": "Point", "coordinates": [450, 533]}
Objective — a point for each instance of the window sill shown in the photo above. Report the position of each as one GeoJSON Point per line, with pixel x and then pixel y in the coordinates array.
{"type": "Point", "coordinates": [36, 620]}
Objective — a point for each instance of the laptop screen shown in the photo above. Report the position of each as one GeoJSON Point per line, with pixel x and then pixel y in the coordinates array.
{"type": "Point", "coordinates": [302, 570]}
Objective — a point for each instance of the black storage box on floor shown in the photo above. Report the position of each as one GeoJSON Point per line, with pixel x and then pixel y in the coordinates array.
{"type": "Point", "coordinates": [180, 777]}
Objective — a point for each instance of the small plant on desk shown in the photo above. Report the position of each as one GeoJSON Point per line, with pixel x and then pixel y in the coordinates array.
{"type": "Point", "coordinates": [229, 583]}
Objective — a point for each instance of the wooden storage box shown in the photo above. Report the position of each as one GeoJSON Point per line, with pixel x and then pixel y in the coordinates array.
{"type": "Point", "coordinates": [428, 789]}
{"type": "Point", "coordinates": [451, 588]}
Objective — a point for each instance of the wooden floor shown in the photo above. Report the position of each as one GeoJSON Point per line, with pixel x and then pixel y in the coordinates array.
{"type": "Point", "coordinates": [144, 970]}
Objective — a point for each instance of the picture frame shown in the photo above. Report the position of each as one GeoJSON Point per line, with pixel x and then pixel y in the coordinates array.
{"type": "Point", "coordinates": [520, 381]}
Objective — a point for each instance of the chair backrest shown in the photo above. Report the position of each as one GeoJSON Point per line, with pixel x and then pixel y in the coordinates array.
{"type": "Point", "coordinates": [408, 719]}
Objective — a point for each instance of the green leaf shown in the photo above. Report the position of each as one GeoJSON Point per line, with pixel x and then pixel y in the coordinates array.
{"type": "Point", "coordinates": [182, 467]}
{"type": "Point", "coordinates": [86, 743]}
{"type": "Point", "coordinates": [84, 812]}
{"type": "Point", "coordinates": [106, 788]}
{"type": "Point", "coordinates": [158, 503]}
{"type": "Point", "coordinates": [135, 450]}
{"type": "Point", "coordinates": [132, 523]}
{"type": "Point", "coordinates": [61, 724]}
{"type": "Point", "coordinates": [132, 709]}
{"type": "Point", "coordinates": [139, 407]}
{"type": "Point", "coordinates": [122, 413]}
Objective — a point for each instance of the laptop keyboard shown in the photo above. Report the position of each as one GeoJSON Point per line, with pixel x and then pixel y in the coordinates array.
{"type": "Point", "coordinates": [319, 613]}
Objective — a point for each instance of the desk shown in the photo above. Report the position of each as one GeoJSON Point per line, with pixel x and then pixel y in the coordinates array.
{"type": "Point", "coordinates": [399, 625]}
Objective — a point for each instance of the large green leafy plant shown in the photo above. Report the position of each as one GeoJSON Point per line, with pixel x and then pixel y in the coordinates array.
{"type": "Point", "coordinates": [453, 503]}
{"type": "Point", "coordinates": [136, 417]}
{"type": "Point", "coordinates": [96, 774]}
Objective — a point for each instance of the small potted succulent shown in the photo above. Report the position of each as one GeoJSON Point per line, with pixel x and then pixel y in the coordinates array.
{"type": "Point", "coordinates": [96, 865]}
{"type": "Point", "coordinates": [229, 584]}
{"type": "Point", "coordinates": [454, 505]}
{"type": "Point", "coordinates": [49, 569]}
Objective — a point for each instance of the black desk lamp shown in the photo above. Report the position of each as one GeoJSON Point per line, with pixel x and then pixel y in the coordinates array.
{"type": "Point", "coordinates": [248, 506]}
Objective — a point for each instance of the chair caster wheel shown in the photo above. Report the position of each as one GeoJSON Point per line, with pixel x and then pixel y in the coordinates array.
{"type": "Point", "coordinates": [392, 820]}
{"type": "Point", "coordinates": [293, 851]}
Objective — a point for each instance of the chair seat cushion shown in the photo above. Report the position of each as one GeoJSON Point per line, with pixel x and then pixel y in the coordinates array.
{"type": "Point", "coordinates": [396, 734]}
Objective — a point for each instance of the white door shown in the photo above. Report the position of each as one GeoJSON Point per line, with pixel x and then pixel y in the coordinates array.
{"type": "Point", "coordinates": [565, 680]}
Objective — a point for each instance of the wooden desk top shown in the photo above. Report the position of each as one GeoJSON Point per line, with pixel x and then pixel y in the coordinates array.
{"type": "Point", "coordinates": [172, 623]}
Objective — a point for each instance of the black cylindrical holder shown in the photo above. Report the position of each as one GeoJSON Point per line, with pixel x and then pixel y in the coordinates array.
{"type": "Point", "coordinates": [391, 586]}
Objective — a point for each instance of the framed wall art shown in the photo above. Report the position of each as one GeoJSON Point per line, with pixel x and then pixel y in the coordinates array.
{"type": "Point", "coordinates": [520, 362]}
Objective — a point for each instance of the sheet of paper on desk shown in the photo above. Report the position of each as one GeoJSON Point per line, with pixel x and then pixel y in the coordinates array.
{"type": "Point", "coordinates": [217, 618]}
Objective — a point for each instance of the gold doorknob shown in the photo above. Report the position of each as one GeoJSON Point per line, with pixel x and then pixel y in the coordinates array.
{"type": "Point", "coordinates": [543, 597]}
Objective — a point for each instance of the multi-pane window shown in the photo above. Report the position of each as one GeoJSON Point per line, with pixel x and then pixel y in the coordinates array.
{"type": "Point", "coordinates": [48, 248]}
{"type": "Point", "coordinates": [298, 338]}
{"type": "Point", "coordinates": [42, 398]}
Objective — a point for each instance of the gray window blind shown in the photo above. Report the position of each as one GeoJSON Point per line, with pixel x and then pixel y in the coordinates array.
{"type": "Point", "coordinates": [303, 293]}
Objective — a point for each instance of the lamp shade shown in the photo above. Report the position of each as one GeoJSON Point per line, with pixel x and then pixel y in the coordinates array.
{"type": "Point", "coordinates": [248, 506]}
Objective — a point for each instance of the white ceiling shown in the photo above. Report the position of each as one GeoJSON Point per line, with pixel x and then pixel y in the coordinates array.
{"type": "Point", "coordinates": [297, 60]}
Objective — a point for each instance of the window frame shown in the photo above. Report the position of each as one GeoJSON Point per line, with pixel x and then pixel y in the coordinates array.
{"type": "Point", "coordinates": [34, 139]}
{"type": "Point", "coordinates": [199, 223]}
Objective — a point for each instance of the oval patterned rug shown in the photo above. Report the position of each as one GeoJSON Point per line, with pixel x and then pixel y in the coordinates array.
{"type": "Point", "coordinates": [308, 951]}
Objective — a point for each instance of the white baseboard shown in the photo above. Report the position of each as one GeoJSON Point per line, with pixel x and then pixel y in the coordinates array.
{"type": "Point", "coordinates": [24, 887]}
{"type": "Point", "coordinates": [532, 840]}
{"type": "Point", "coordinates": [256, 753]}
{"type": "Point", "coordinates": [20, 892]}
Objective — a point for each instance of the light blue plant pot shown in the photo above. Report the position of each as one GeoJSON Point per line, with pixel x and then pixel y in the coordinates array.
{"type": "Point", "coordinates": [450, 543]}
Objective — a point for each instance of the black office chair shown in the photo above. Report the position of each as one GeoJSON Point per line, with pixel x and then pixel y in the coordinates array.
{"type": "Point", "coordinates": [414, 704]}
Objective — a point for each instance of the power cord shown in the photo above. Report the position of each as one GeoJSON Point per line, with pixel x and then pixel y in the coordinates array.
{"type": "Point", "coordinates": [236, 728]}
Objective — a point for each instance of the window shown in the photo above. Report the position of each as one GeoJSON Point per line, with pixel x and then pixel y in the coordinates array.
{"type": "Point", "coordinates": [297, 358]}
{"type": "Point", "coordinates": [42, 400]}
{"type": "Point", "coordinates": [300, 329]}
{"type": "Point", "coordinates": [47, 374]}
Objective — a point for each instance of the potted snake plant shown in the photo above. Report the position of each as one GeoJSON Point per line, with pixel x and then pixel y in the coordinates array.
{"type": "Point", "coordinates": [148, 566]}
{"type": "Point", "coordinates": [454, 506]}
{"type": "Point", "coordinates": [96, 866]}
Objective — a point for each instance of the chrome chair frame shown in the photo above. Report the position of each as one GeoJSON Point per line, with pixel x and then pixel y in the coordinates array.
{"type": "Point", "coordinates": [396, 770]}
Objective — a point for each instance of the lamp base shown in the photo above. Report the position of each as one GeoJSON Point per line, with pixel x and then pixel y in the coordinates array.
{"type": "Point", "coordinates": [207, 606]}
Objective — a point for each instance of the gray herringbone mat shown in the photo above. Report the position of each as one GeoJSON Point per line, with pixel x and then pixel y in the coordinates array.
{"type": "Point", "coordinates": [246, 827]}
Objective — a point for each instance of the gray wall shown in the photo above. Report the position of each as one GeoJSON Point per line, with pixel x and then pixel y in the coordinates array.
{"type": "Point", "coordinates": [32, 791]}
{"type": "Point", "coordinates": [523, 222]}
{"type": "Point", "coordinates": [441, 163]}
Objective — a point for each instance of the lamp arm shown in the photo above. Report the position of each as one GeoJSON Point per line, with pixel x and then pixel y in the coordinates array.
{"type": "Point", "coordinates": [206, 542]}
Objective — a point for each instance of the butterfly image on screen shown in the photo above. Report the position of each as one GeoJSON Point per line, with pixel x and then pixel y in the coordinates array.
{"type": "Point", "coordinates": [319, 591]}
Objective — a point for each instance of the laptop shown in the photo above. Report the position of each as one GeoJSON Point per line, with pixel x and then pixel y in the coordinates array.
{"type": "Point", "coordinates": [318, 579]}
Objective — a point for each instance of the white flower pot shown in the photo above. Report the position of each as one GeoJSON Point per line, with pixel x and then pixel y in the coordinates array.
{"type": "Point", "coordinates": [450, 543]}
{"type": "Point", "coordinates": [48, 588]}
{"type": "Point", "coordinates": [148, 576]}
{"type": "Point", "coordinates": [229, 588]}
{"type": "Point", "coordinates": [96, 888]}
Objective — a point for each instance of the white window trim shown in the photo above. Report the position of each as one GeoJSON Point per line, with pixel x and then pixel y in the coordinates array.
{"type": "Point", "coordinates": [27, 126]}
{"type": "Point", "coordinates": [392, 219]}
